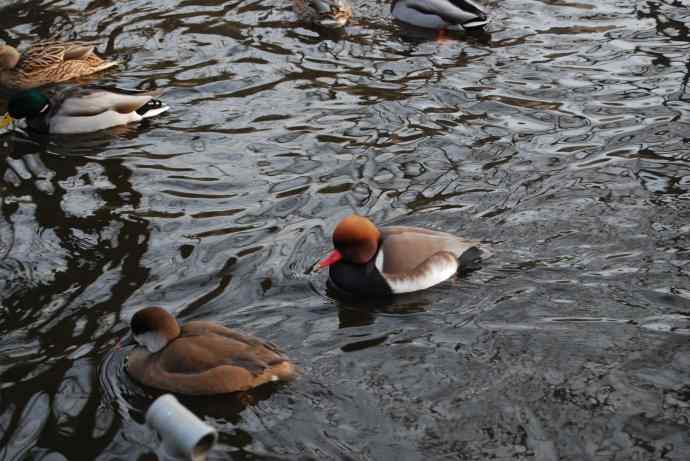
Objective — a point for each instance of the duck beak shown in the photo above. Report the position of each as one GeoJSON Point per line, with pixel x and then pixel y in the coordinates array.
{"type": "Point", "coordinates": [332, 258]}
{"type": "Point", "coordinates": [6, 120]}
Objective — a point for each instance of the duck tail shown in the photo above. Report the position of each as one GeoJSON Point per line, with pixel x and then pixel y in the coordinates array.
{"type": "Point", "coordinates": [152, 108]}
{"type": "Point", "coordinates": [472, 11]}
{"type": "Point", "coordinates": [476, 23]}
{"type": "Point", "coordinates": [285, 371]}
{"type": "Point", "coordinates": [97, 64]}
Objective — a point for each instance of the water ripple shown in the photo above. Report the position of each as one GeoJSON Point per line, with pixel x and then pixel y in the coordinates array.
{"type": "Point", "coordinates": [558, 138]}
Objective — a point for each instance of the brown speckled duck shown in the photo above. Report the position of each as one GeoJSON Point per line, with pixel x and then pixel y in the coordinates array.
{"type": "Point", "coordinates": [325, 13]}
{"type": "Point", "coordinates": [199, 357]}
{"type": "Point", "coordinates": [368, 261]}
{"type": "Point", "coordinates": [48, 62]}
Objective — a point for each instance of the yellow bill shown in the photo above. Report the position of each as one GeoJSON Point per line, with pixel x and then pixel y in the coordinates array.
{"type": "Point", "coordinates": [6, 120]}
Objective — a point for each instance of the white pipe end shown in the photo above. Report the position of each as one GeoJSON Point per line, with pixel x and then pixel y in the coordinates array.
{"type": "Point", "coordinates": [182, 432]}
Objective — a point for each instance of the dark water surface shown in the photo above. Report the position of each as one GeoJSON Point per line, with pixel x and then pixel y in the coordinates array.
{"type": "Point", "coordinates": [560, 138]}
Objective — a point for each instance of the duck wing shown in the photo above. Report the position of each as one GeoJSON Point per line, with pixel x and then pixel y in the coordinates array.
{"type": "Point", "coordinates": [437, 268]}
{"type": "Point", "coordinates": [404, 249]}
{"type": "Point", "coordinates": [201, 327]}
{"type": "Point", "coordinates": [197, 370]}
{"type": "Point", "coordinates": [78, 50]}
{"type": "Point", "coordinates": [89, 101]}
{"type": "Point", "coordinates": [468, 6]}
{"type": "Point", "coordinates": [198, 354]}
{"type": "Point", "coordinates": [452, 11]}
{"type": "Point", "coordinates": [43, 54]}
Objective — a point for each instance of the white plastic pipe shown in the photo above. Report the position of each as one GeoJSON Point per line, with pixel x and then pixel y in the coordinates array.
{"type": "Point", "coordinates": [182, 432]}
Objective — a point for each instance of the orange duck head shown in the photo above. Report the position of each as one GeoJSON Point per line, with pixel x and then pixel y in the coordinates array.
{"type": "Point", "coordinates": [356, 241]}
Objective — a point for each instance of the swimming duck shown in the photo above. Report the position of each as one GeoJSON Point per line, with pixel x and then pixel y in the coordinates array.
{"type": "Point", "coordinates": [326, 13]}
{"type": "Point", "coordinates": [48, 62]}
{"type": "Point", "coordinates": [82, 109]}
{"type": "Point", "coordinates": [397, 259]}
{"type": "Point", "coordinates": [440, 14]}
{"type": "Point", "coordinates": [199, 357]}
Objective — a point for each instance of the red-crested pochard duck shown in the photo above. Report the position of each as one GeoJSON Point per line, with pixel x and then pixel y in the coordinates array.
{"type": "Point", "coordinates": [397, 259]}
{"type": "Point", "coordinates": [200, 358]}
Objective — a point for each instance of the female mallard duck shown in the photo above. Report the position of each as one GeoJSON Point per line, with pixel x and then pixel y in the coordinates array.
{"type": "Point", "coordinates": [200, 358]}
{"type": "Point", "coordinates": [368, 261]}
{"type": "Point", "coordinates": [82, 109]}
{"type": "Point", "coordinates": [326, 13]}
{"type": "Point", "coordinates": [440, 14]}
{"type": "Point", "coordinates": [48, 62]}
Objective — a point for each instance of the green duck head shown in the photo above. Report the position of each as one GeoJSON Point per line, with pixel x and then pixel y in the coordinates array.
{"type": "Point", "coordinates": [28, 104]}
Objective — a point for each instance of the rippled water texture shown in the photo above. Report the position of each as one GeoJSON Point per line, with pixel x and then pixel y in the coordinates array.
{"type": "Point", "coordinates": [559, 138]}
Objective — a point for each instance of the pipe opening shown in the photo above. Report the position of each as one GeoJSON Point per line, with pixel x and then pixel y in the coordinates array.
{"type": "Point", "coordinates": [203, 446]}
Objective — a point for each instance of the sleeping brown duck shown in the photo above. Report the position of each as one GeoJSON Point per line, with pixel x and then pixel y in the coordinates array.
{"type": "Point", "coordinates": [199, 357]}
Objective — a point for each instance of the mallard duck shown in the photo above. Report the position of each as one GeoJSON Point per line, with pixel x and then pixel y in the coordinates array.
{"type": "Point", "coordinates": [48, 62]}
{"type": "Point", "coordinates": [440, 14]}
{"type": "Point", "coordinates": [326, 13]}
{"type": "Point", "coordinates": [368, 261]}
{"type": "Point", "coordinates": [82, 109]}
{"type": "Point", "coordinates": [199, 357]}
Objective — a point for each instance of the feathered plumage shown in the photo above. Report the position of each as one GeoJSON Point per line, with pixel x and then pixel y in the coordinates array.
{"type": "Point", "coordinates": [82, 109]}
{"type": "Point", "coordinates": [201, 358]}
{"type": "Point", "coordinates": [440, 14]}
{"type": "Point", "coordinates": [48, 62]}
{"type": "Point", "coordinates": [326, 13]}
{"type": "Point", "coordinates": [372, 261]}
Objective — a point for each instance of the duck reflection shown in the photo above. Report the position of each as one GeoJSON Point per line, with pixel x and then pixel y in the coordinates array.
{"type": "Point", "coordinates": [356, 311]}
{"type": "Point", "coordinates": [228, 407]}
{"type": "Point", "coordinates": [69, 258]}
{"type": "Point", "coordinates": [665, 23]}
{"type": "Point", "coordinates": [676, 30]}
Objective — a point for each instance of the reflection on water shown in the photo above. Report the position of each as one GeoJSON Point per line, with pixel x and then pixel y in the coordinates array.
{"type": "Point", "coordinates": [559, 138]}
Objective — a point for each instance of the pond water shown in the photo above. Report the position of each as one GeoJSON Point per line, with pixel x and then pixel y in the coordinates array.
{"type": "Point", "coordinates": [559, 138]}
